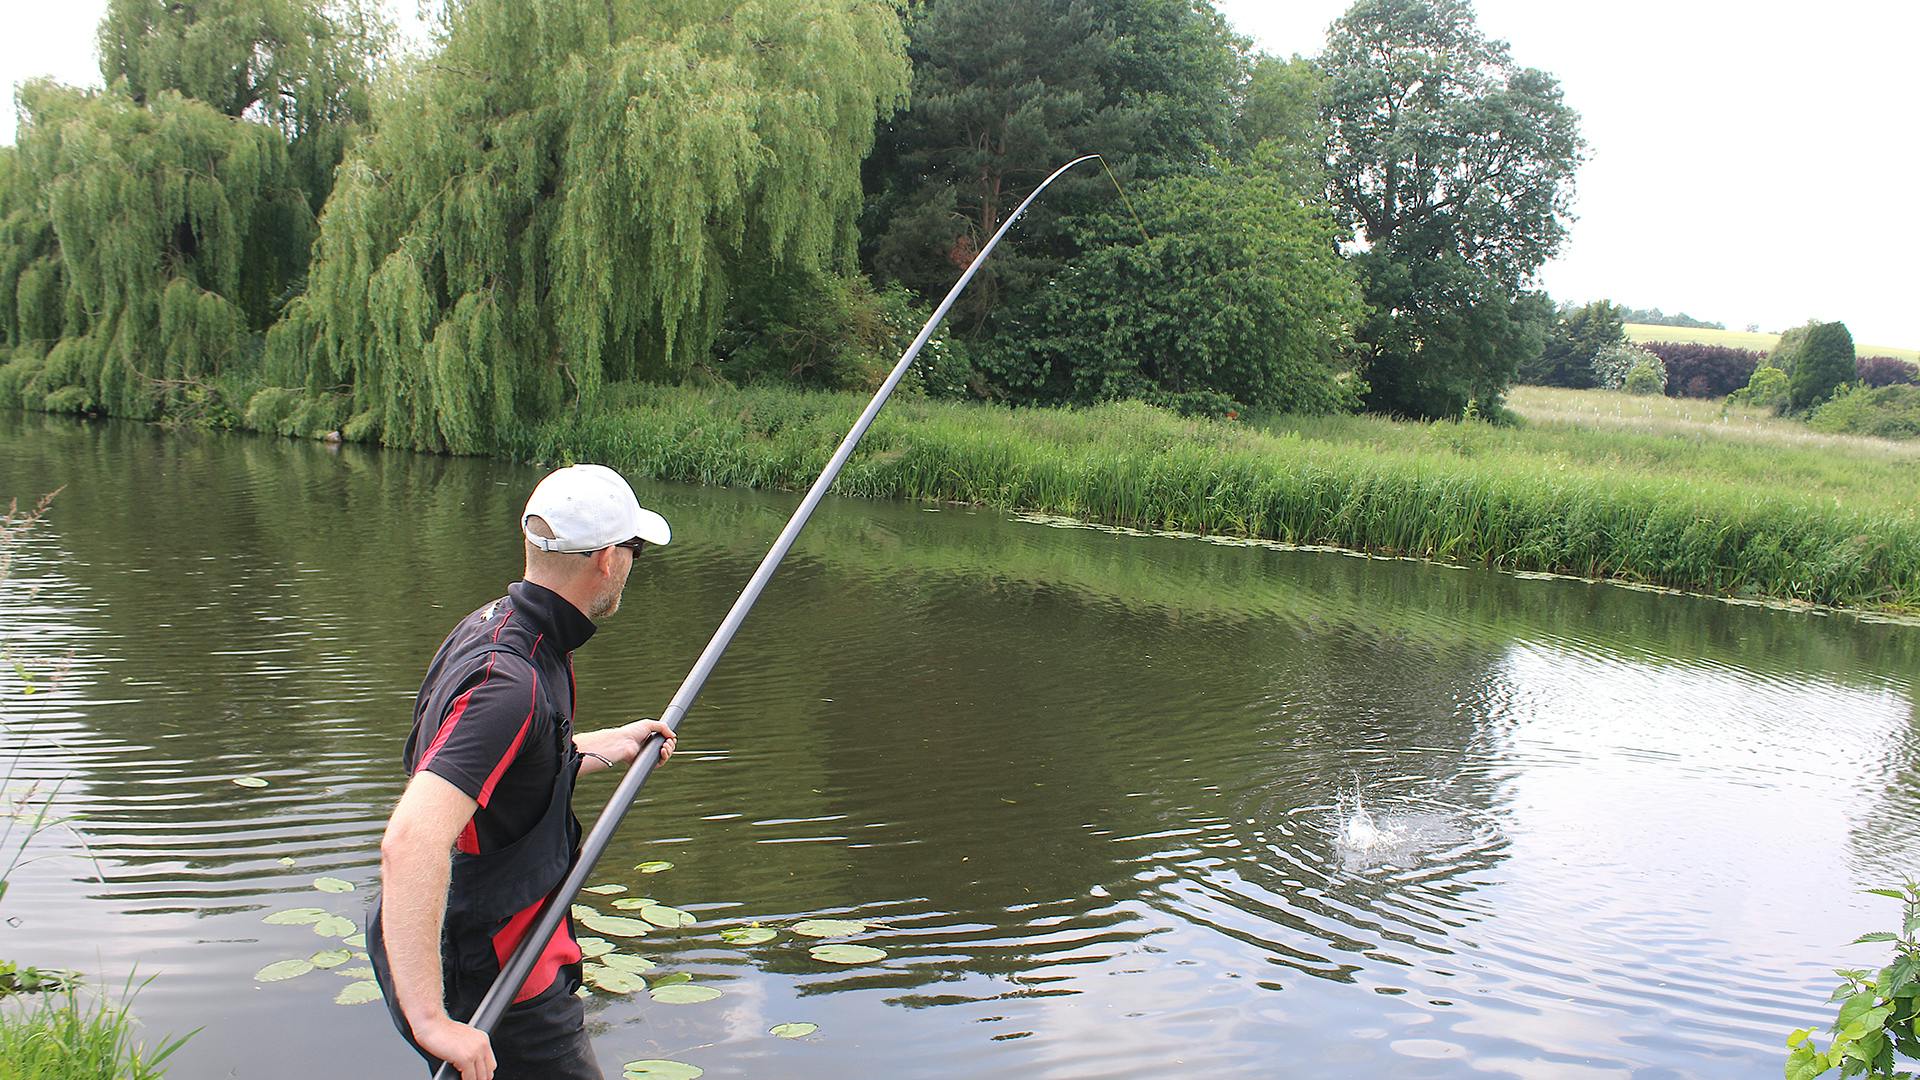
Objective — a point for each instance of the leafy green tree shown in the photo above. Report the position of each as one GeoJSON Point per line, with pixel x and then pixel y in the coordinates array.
{"type": "Point", "coordinates": [1787, 351]}
{"type": "Point", "coordinates": [1279, 121]}
{"type": "Point", "coordinates": [1236, 289]}
{"type": "Point", "coordinates": [568, 194]}
{"type": "Point", "coordinates": [1825, 363]}
{"type": "Point", "coordinates": [1615, 363]}
{"type": "Point", "coordinates": [1004, 92]}
{"type": "Point", "coordinates": [169, 231]}
{"type": "Point", "coordinates": [1575, 338]}
{"type": "Point", "coordinates": [1443, 151]}
{"type": "Point", "coordinates": [301, 66]}
{"type": "Point", "coordinates": [1443, 336]}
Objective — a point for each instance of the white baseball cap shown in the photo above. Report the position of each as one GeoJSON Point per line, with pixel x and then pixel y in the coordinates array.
{"type": "Point", "coordinates": [589, 507]}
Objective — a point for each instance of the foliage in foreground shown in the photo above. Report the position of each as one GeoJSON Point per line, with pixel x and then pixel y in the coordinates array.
{"type": "Point", "coordinates": [62, 1037]}
{"type": "Point", "coordinates": [1879, 1015]}
{"type": "Point", "coordinates": [1374, 486]}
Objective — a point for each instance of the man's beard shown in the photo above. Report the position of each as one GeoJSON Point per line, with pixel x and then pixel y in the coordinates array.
{"type": "Point", "coordinates": [606, 604]}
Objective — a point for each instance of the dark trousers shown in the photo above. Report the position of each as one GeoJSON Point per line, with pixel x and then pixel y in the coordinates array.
{"type": "Point", "coordinates": [542, 1038]}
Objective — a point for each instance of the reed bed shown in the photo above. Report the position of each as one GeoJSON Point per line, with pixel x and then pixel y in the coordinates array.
{"type": "Point", "coordinates": [1693, 514]}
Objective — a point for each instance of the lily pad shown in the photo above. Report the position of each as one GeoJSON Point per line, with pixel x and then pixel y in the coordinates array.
{"type": "Point", "coordinates": [334, 926]}
{"type": "Point", "coordinates": [249, 781]}
{"type": "Point", "coordinates": [668, 917]}
{"type": "Point", "coordinates": [684, 994]}
{"type": "Point", "coordinates": [793, 1031]}
{"type": "Point", "coordinates": [299, 916]}
{"type": "Point", "coordinates": [653, 866]}
{"type": "Point", "coordinates": [283, 969]}
{"type": "Point", "coordinates": [614, 925]}
{"type": "Point", "coordinates": [286, 860]}
{"type": "Point", "coordinates": [628, 962]}
{"type": "Point", "coordinates": [331, 958]}
{"type": "Point", "coordinates": [673, 980]}
{"type": "Point", "coordinates": [659, 1069]}
{"type": "Point", "coordinates": [332, 884]}
{"type": "Point", "coordinates": [847, 954]}
{"type": "Point", "coordinates": [634, 903]}
{"type": "Point", "coordinates": [612, 979]}
{"type": "Point", "coordinates": [608, 889]}
{"type": "Point", "coordinates": [591, 947]}
{"type": "Point", "coordinates": [362, 972]}
{"type": "Point", "coordinates": [358, 941]}
{"type": "Point", "coordinates": [358, 993]}
{"type": "Point", "coordinates": [829, 927]}
{"type": "Point", "coordinates": [748, 935]}
{"type": "Point", "coordinates": [581, 911]}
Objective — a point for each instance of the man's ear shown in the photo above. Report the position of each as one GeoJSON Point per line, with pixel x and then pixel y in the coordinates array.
{"type": "Point", "coordinates": [603, 562]}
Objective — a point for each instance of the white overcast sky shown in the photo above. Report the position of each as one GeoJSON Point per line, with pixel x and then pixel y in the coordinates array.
{"type": "Point", "coordinates": [1750, 162]}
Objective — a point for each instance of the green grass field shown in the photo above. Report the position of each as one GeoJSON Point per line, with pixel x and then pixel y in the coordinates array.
{"type": "Point", "coordinates": [1741, 339]}
{"type": "Point", "coordinates": [1592, 483]}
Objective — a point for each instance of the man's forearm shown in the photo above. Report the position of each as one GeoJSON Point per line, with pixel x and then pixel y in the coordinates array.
{"type": "Point", "coordinates": [413, 905]}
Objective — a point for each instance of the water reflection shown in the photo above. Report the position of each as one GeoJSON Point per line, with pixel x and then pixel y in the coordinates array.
{"type": "Point", "coordinates": [1086, 787]}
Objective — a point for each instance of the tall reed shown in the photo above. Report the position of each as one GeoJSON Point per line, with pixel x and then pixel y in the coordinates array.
{"type": "Point", "coordinates": [1458, 492]}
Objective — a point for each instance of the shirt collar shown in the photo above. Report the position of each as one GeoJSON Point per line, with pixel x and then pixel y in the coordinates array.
{"type": "Point", "coordinates": [566, 626]}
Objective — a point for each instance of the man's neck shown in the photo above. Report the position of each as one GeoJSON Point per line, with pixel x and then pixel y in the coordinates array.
{"type": "Point", "coordinates": [575, 592]}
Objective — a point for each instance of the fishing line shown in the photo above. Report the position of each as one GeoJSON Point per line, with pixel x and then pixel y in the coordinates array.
{"type": "Point", "coordinates": [1124, 199]}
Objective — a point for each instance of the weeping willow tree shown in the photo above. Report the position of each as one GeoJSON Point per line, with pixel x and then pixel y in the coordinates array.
{"type": "Point", "coordinates": [151, 232]}
{"type": "Point", "coordinates": [567, 194]}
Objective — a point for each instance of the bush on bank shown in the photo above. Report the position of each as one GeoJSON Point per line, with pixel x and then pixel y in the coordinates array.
{"type": "Point", "coordinates": [1130, 464]}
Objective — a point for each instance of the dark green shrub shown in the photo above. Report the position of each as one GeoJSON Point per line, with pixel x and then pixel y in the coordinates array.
{"type": "Point", "coordinates": [1825, 362]}
{"type": "Point", "coordinates": [1575, 338]}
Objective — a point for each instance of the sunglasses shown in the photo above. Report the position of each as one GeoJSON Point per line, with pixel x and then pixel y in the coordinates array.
{"type": "Point", "coordinates": [635, 545]}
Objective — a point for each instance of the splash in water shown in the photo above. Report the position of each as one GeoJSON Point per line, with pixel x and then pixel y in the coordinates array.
{"type": "Point", "coordinates": [1357, 828]}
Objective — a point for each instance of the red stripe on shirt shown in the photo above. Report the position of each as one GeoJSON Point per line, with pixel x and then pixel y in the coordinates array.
{"type": "Point", "coordinates": [460, 704]}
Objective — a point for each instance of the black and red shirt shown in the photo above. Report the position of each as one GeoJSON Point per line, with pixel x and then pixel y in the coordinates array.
{"type": "Point", "coordinates": [485, 722]}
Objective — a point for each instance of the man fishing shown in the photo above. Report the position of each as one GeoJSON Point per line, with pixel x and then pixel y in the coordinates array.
{"type": "Point", "coordinates": [492, 761]}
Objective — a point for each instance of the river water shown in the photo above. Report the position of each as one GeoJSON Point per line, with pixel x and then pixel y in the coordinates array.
{"type": "Point", "coordinates": [1092, 792]}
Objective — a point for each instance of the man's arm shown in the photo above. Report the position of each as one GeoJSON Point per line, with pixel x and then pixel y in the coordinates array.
{"type": "Point", "coordinates": [622, 744]}
{"type": "Point", "coordinates": [415, 860]}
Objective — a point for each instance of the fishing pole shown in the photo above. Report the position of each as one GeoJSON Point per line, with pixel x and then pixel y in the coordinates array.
{"type": "Point", "coordinates": [517, 967]}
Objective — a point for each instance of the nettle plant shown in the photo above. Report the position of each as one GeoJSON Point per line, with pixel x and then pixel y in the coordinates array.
{"type": "Point", "coordinates": [1879, 1011]}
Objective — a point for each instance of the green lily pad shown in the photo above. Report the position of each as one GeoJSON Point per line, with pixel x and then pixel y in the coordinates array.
{"type": "Point", "coordinates": [362, 972]}
{"type": "Point", "coordinates": [829, 927]}
{"type": "Point", "coordinates": [748, 935]}
{"type": "Point", "coordinates": [358, 941]}
{"type": "Point", "coordinates": [581, 911]}
{"type": "Point", "coordinates": [653, 866]}
{"type": "Point", "coordinates": [673, 980]}
{"type": "Point", "coordinates": [668, 917]}
{"type": "Point", "coordinates": [332, 884]}
{"type": "Point", "coordinates": [591, 947]}
{"type": "Point", "coordinates": [605, 890]}
{"type": "Point", "coordinates": [286, 860]}
{"type": "Point", "coordinates": [634, 903]}
{"type": "Point", "coordinates": [793, 1031]}
{"type": "Point", "coordinates": [684, 994]}
{"type": "Point", "coordinates": [300, 916]}
{"type": "Point", "coordinates": [249, 781]}
{"type": "Point", "coordinates": [658, 1069]}
{"type": "Point", "coordinates": [358, 993]}
{"type": "Point", "coordinates": [847, 954]}
{"type": "Point", "coordinates": [283, 969]}
{"type": "Point", "coordinates": [628, 962]}
{"type": "Point", "coordinates": [334, 926]}
{"type": "Point", "coordinates": [612, 979]}
{"type": "Point", "coordinates": [614, 925]}
{"type": "Point", "coordinates": [331, 958]}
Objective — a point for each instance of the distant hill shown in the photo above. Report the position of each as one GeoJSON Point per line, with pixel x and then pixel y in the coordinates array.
{"type": "Point", "coordinates": [1741, 339]}
{"type": "Point", "coordinates": [1656, 317]}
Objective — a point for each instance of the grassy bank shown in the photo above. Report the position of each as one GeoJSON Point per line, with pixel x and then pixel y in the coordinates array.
{"type": "Point", "coordinates": [1744, 339]}
{"type": "Point", "coordinates": [1744, 515]}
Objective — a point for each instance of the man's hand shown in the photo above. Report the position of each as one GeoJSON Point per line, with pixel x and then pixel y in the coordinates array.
{"type": "Point", "coordinates": [465, 1048]}
{"type": "Point", "coordinates": [622, 744]}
